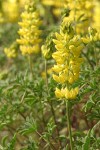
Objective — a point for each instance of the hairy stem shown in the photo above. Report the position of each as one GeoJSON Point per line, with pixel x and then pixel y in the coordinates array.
{"type": "Point", "coordinates": [31, 65]}
{"type": "Point", "coordinates": [52, 109]}
{"type": "Point", "coordinates": [69, 124]}
{"type": "Point", "coordinates": [46, 75]}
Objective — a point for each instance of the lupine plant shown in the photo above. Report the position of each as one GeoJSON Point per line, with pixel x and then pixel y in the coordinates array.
{"type": "Point", "coordinates": [49, 75]}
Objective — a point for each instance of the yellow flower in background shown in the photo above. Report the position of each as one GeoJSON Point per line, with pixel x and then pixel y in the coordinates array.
{"type": "Point", "coordinates": [1, 18]}
{"type": "Point", "coordinates": [12, 51]}
{"type": "Point", "coordinates": [78, 11]}
{"type": "Point", "coordinates": [29, 32]}
{"type": "Point", "coordinates": [96, 16]}
{"type": "Point", "coordinates": [49, 72]}
{"type": "Point", "coordinates": [22, 2]}
{"type": "Point", "coordinates": [57, 5]}
{"type": "Point", "coordinates": [11, 10]}
{"type": "Point", "coordinates": [81, 13]}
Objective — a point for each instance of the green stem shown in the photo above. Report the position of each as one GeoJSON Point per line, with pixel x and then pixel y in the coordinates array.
{"type": "Point", "coordinates": [69, 124]}
{"type": "Point", "coordinates": [52, 109]}
{"type": "Point", "coordinates": [46, 75]}
{"type": "Point", "coordinates": [30, 65]}
{"type": "Point", "coordinates": [90, 63]}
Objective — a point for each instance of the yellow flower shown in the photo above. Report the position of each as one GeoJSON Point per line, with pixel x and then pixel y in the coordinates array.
{"type": "Point", "coordinates": [11, 10]}
{"type": "Point", "coordinates": [85, 40]}
{"type": "Point", "coordinates": [59, 93]}
{"type": "Point", "coordinates": [11, 52]}
{"type": "Point", "coordinates": [65, 93]}
{"type": "Point", "coordinates": [93, 35]}
{"type": "Point", "coordinates": [67, 56]}
{"type": "Point", "coordinates": [1, 18]}
{"type": "Point", "coordinates": [96, 16]}
{"type": "Point", "coordinates": [29, 32]}
{"type": "Point", "coordinates": [57, 5]}
{"type": "Point", "coordinates": [57, 68]}
{"type": "Point", "coordinates": [71, 94]}
{"type": "Point", "coordinates": [47, 47]}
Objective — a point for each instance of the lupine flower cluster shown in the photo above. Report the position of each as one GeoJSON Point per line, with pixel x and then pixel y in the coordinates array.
{"type": "Point", "coordinates": [68, 60]}
{"type": "Point", "coordinates": [29, 31]}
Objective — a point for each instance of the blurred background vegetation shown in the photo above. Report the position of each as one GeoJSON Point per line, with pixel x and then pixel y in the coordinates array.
{"type": "Point", "coordinates": [31, 117]}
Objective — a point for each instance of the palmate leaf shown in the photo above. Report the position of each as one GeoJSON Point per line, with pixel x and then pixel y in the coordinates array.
{"type": "Point", "coordinates": [4, 140]}
{"type": "Point", "coordinates": [97, 125]}
{"type": "Point", "coordinates": [28, 127]}
{"type": "Point", "coordinates": [10, 145]}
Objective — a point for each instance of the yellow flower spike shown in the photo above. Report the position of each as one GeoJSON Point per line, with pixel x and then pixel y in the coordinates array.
{"type": "Point", "coordinates": [29, 32]}
{"type": "Point", "coordinates": [67, 56]}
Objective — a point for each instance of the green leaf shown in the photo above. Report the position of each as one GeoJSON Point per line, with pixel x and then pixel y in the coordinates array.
{"type": "Point", "coordinates": [86, 144]}
{"type": "Point", "coordinates": [4, 140]}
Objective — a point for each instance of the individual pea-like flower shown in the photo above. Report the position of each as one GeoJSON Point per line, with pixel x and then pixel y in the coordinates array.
{"type": "Point", "coordinates": [12, 51]}
{"type": "Point", "coordinates": [65, 93]}
{"type": "Point", "coordinates": [67, 56]}
{"type": "Point", "coordinates": [29, 32]}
